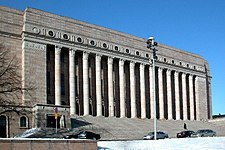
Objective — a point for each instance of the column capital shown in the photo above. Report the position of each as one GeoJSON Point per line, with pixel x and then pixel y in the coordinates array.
{"type": "Point", "coordinates": [142, 66]}
{"type": "Point", "coordinates": [168, 71]}
{"type": "Point", "coordinates": [57, 50]}
{"type": "Point", "coordinates": [132, 64]}
{"type": "Point", "coordinates": [184, 74]}
{"type": "Point", "coordinates": [58, 47]}
{"type": "Point", "coordinates": [71, 48]}
{"type": "Point", "coordinates": [132, 61]}
{"type": "Point", "coordinates": [72, 52]}
{"type": "Point", "coordinates": [121, 62]}
{"type": "Point", "coordinates": [160, 69]}
{"type": "Point", "coordinates": [85, 55]}
{"type": "Point", "coordinates": [110, 60]}
{"type": "Point", "coordinates": [98, 57]}
{"type": "Point", "coordinates": [191, 75]}
{"type": "Point", "coordinates": [176, 71]}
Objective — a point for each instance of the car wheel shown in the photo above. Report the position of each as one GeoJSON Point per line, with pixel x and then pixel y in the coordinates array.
{"type": "Point", "coordinates": [93, 138]}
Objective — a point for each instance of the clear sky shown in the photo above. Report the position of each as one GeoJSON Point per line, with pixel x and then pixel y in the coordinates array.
{"type": "Point", "coordinates": [196, 26]}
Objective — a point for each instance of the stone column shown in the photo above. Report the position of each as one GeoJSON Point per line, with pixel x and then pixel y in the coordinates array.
{"type": "Point", "coordinates": [177, 95]}
{"type": "Point", "coordinates": [184, 95]}
{"type": "Point", "coordinates": [72, 81]}
{"type": "Point", "coordinates": [191, 94]}
{"type": "Point", "coordinates": [110, 86]}
{"type": "Point", "coordinates": [85, 84]}
{"type": "Point", "coordinates": [161, 96]}
{"type": "Point", "coordinates": [98, 85]}
{"type": "Point", "coordinates": [197, 89]}
{"type": "Point", "coordinates": [201, 98]}
{"type": "Point", "coordinates": [57, 76]}
{"type": "Point", "coordinates": [133, 91]}
{"type": "Point", "coordinates": [151, 92]}
{"type": "Point", "coordinates": [142, 88]}
{"type": "Point", "coordinates": [169, 94]}
{"type": "Point", "coordinates": [122, 88]}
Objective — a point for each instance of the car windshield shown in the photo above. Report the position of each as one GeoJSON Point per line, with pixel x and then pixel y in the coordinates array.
{"type": "Point", "coordinates": [200, 131]}
{"type": "Point", "coordinates": [150, 133]}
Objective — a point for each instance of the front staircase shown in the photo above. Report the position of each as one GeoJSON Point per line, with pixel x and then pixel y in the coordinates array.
{"type": "Point", "coordinates": [112, 128]}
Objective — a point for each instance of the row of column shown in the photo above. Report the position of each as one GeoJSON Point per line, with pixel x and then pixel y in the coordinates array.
{"type": "Point", "coordinates": [122, 88]}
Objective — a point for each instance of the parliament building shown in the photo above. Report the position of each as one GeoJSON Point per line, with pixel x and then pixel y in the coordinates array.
{"type": "Point", "coordinates": [84, 69]}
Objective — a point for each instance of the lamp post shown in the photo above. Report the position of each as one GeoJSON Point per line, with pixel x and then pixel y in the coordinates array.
{"type": "Point", "coordinates": [151, 44]}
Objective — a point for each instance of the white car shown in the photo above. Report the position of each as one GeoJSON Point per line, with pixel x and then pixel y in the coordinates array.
{"type": "Point", "coordinates": [159, 135]}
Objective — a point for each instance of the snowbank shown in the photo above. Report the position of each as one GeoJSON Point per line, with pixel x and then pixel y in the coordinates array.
{"type": "Point", "coordinates": [209, 143]}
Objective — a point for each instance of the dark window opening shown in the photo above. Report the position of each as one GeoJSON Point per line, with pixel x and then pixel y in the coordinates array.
{"type": "Point", "coordinates": [62, 57]}
{"type": "Point", "coordinates": [51, 33]}
{"type": "Point", "coordinates": [79, 39]}
{"type": "Point", "coordinates": [92, 42]}
{"type": "Point", "coordinates": [104, 45]}
{"type": "Point", "coordinates": [65, 36]}
{"type": "Point", "coordinates": [137, 53]}
{"type": "Point", "coordinates": [48, 82]}
{"type": "Point", "coordinates": [51, 121]}
{"type": "Point", "coordinates": [23, 122]}
{"type": "Point", "coordinates": [3, 127]}
{"type": "Point", "coordinates": [62, 84]}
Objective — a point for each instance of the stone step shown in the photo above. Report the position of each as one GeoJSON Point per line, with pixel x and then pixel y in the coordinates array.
{"type": "Point", "coordinates": [113, 128]}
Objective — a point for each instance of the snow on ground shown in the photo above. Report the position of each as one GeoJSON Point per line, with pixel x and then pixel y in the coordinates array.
{"type": "Point", "coordinates": [206, 143]}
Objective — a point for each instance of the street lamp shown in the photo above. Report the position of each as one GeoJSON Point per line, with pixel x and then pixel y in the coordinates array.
{"type": "Point", "coordinates": [151, 44]}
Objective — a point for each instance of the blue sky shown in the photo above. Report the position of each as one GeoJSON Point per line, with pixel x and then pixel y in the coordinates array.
{"type": "Point", "coordinates": [197, 26]}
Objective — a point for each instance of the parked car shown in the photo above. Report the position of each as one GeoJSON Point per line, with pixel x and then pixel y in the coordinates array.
{"type": "Point", "coordinates": [204, 133]}
{"type": "Point", "coordinates": [84, 135]}
{"type": "Point", "coordinates": [159, 135]}
{"type": "Point", "coordinates": [184, 134]}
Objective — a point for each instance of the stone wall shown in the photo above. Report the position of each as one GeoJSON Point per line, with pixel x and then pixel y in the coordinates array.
{"type": "Point", "coordinates": [47, 144]}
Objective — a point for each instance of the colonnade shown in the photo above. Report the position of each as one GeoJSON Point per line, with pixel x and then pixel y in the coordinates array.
{"type": "Point", "coordinates": [176, 91]}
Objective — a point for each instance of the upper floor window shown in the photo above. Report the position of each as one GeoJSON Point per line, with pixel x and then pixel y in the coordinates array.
{"type": "Point", "coordinates": [127, 51]}
{"type": "Point", "coordinates": [116, 48]}
{"type": "Point", "coordinates": [23, 122]}
{"type": "Point", "coordinates": [137, 53]}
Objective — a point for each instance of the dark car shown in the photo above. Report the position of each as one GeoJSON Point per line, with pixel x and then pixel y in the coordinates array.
{"type": "Point", "coordinates": [184, 134]}
{"type": "Point", "coordinates": [204, 133]}
{"type": "Point", "coordinates": [159, 135]}
{"type": "Point", "coordinates": [84, 135]}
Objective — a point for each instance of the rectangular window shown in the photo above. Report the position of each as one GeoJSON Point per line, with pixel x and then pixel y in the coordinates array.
{"type": "Point", "coordinates": [51, 121]}
{"type": "Point", "coordinates": [23, 122]}
{"type": "Point", "coordinates": [62, 84]}
{"type": "Point", "coordinates": [48, 82]}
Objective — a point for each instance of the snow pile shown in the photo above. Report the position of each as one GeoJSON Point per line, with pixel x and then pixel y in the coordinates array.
{"type": "Point", "coordinates": [209, 143]}
{"type": "Point", "coordinates": [28, 133]}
